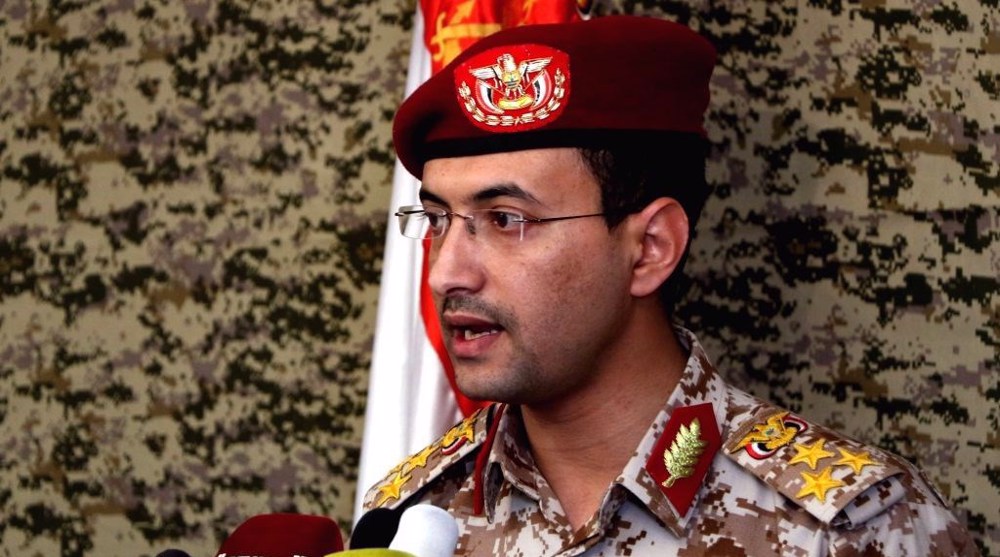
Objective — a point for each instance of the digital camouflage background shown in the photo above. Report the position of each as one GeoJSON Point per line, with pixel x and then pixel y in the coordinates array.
{"type": "Point", "coordinates": [193, 201]}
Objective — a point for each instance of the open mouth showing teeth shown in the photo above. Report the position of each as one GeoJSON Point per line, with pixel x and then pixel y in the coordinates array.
{"type": "Point", "coordinates": [471, 334]}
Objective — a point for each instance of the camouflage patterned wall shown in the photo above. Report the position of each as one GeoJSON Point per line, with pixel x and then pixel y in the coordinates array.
{"type": "Point", "coordinates": [192, 207]}
{"type": "Point", "coordinates": [193, 211]}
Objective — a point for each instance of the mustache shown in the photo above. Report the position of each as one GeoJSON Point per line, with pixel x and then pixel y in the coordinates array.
{"type": "Point", "coordinates": [477, 306]}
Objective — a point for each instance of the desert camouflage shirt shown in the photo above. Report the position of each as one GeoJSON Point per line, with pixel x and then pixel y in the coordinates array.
{"type": "Point", "coordinates": [717, 473]}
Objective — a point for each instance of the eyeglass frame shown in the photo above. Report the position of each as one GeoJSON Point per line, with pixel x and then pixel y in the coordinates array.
{"type": "Point", "coordinates": [405, 212]}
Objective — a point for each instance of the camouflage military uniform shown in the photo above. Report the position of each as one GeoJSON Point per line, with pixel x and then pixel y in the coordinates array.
{"type": "Point", "coordinates": [773, 484]}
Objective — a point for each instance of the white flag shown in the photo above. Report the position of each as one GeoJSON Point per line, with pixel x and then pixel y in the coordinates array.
{"type": "Point", "coordinates": [410, 402]}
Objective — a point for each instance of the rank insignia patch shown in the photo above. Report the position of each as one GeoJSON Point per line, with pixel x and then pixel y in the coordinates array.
{"type": "Point", "coordinates": [810, 454]}
{"type": "Point", "coordinates": [855, 461]}
{"type": "Point", "coordinates": [459, 435]}
{"type": "Point", "coordinates": [392, 489]}
{"type": "Point", "coordinates": [683, 453]}
{"type": "Point", "coordinates": [514, 88]}
{"type": "Point", "coordinates": [818, 484]}
{"type": "Point", "coordinates": [682, 456]}
{"type": "Point", "coordinates": [765, 439]}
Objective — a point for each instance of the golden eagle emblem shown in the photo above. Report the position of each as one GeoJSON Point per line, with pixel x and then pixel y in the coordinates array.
{"type": "Point", "coordinates": [513, 88]}
{"type": "Point", "coordinates": [510, 80]}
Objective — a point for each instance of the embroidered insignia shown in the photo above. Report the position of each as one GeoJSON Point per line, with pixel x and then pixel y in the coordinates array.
{"type": "Point", "coordinates": [457, 436]}
{"type": "Point", "coordinates": [766, 438]}
{"type": "Point", "coordinates": [392, 489]}
{"type": "Point", "coordinates": [810, 454]}
{"type": "Point", "coordinates": [419, 460]}
{"type": "Point", "coordinates": [692, 436]}
{"type": "Point", "coordinates": [818, 484]}
{"type": "Point", "coordinates": [514, 87]}
{"type": "Point", "coordinates": [683, 453]}
{"type": "Point", "coordinates": [855, 461]}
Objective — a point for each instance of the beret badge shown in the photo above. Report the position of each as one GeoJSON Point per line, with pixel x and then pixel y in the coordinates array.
{"type": "Point", "coordinates": [513, 88]}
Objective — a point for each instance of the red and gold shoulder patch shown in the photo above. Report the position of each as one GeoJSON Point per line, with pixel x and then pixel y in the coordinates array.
{"type": "Point", "coordinates": [514, 88]}
{"type": "Point", "coordinates": [684, 452]}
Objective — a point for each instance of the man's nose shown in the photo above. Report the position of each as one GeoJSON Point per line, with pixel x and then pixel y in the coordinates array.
{"type": "Point", "coordinates": [455, 263]}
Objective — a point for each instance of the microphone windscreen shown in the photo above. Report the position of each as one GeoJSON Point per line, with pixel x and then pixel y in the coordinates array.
{"type": "Point", "coordinates": [283, 535]}
{"type": "Point", "coordinates": [173, 553]}
{"type": "Point", "coordinates": [426, 531]}
{"type": "Point", "coordinates": [375, 528]}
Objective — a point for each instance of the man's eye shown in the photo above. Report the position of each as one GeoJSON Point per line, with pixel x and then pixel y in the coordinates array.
{"type": "Point", "coordinates": [504, 220]}
{"type": "Point", "coordinates": [434, 220]}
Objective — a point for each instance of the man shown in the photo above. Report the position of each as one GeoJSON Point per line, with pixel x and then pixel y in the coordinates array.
{"type": "Point", "coordinates": [562, 170]}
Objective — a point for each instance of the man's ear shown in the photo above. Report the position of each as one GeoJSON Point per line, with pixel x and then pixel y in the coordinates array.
{"type": "Point", "coordinates": [664, 227]}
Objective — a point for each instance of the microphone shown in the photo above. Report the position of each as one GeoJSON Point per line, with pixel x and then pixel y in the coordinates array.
{"type": "Point", "coordinates": [426, 531]}
{"type": "Point", "coordinates": [283, 535]}
{"type": "Point", "coordinates": [375, 528]}
{"type": "Point", "coordinates": [421, 531]}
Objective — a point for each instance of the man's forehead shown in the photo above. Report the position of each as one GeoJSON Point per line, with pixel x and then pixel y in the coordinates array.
{"type": "Point", "coordinates": [536, 176]}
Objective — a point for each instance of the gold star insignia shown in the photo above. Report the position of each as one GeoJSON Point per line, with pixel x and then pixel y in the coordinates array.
{"type": "Point", "coordinates": [392, 489]}
{"type": "Point", "coordinates": [818, 484]}
{"type": "Point", "coordinates": [855, 461]}
{"type": "Point", "coordinates": [419, 460]}
{"type": "Point", "coordinates": [810, 454]}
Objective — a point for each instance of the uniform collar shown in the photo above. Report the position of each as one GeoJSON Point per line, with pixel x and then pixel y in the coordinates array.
{"type": "Point", "coordinates": [510, 460]}
{"type": "Point", "coordinates": [700, 392]}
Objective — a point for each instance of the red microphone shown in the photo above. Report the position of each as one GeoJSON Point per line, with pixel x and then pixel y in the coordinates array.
{"type": "Point", "coordinates": [283, 535]}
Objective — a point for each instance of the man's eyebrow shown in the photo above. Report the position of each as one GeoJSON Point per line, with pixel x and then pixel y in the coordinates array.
{"type": "Point", "coordinates": [430, 197]}
{"type": "Point", "coordinates": [507, 189]}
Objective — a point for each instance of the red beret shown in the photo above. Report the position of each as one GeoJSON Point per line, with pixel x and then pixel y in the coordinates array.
{"type": "Point", "coordinates": [596, 83]}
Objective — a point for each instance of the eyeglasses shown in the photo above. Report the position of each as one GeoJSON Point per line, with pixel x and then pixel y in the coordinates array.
{"type": "Point", "coordinates": [494, 225]}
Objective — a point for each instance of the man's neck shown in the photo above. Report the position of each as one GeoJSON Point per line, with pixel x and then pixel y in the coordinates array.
{"type": "Point", "coordinates": [582, 442]}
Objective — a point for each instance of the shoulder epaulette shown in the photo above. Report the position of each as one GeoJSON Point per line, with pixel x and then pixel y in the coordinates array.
{"type": "Point", "coordinates": [411, 475]}
{"type": "Point", "coordinates": [822, 471]}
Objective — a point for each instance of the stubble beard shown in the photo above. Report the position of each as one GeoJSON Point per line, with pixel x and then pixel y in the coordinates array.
{"type": "Point", "coordinates": [514, 379]}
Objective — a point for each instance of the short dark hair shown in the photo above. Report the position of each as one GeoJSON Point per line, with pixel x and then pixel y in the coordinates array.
{"type": "Point", "coordinates": [633, 174]}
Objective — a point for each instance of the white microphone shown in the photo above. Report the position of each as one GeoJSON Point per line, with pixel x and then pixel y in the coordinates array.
{"type": "Point", "coordinates": [426, 531]}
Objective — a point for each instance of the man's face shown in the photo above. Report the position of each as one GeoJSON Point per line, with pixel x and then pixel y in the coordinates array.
{"type": "Point", "coordinates": [530, 320]}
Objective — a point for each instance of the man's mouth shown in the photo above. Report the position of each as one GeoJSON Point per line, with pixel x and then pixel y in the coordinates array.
{"type": "Point", "coordinates": [470, 333]}
{"type": "Point", "coordinates": [472, 327]}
